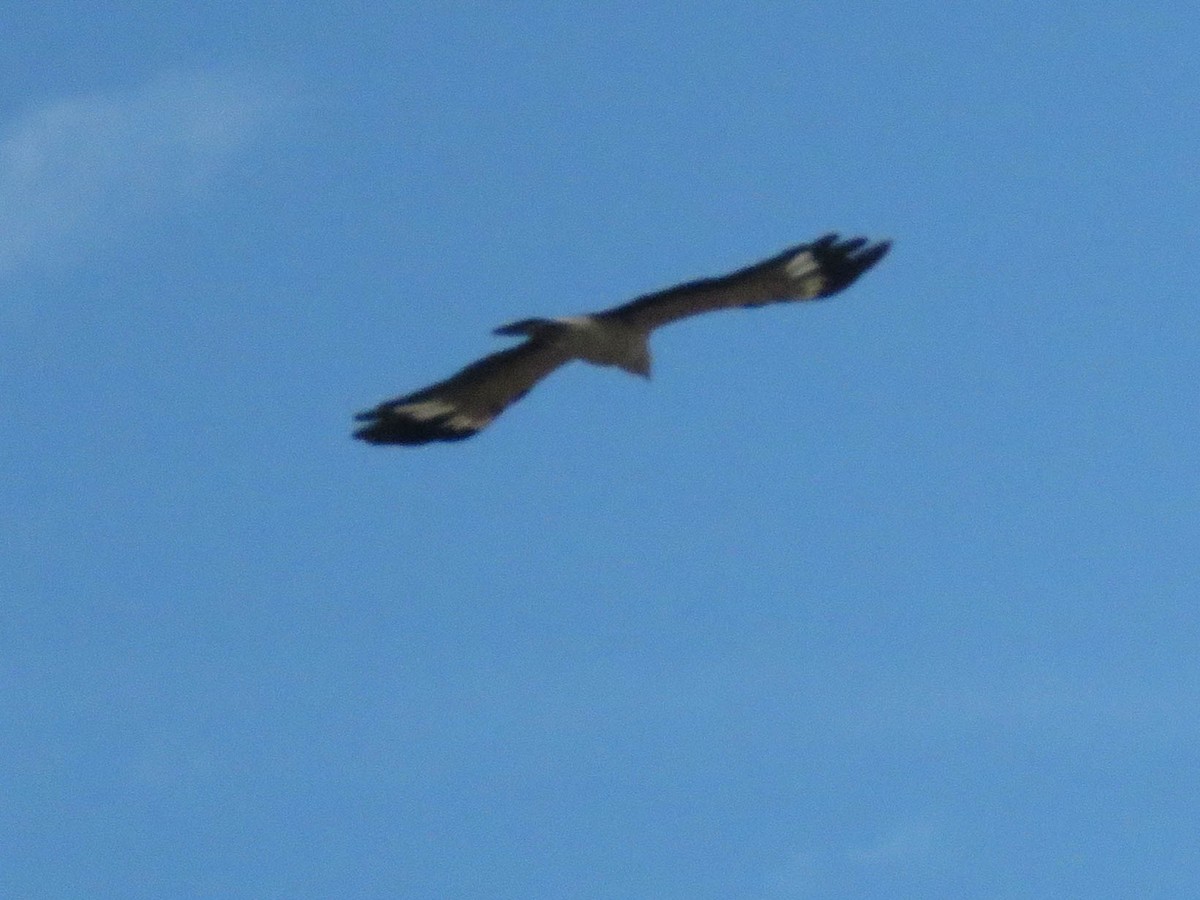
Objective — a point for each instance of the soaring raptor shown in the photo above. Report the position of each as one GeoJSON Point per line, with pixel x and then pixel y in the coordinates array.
{"type": "Point", "coordinates": [465, 403]}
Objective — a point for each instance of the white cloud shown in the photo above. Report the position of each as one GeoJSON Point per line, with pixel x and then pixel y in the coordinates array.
{"type": "Point", "coordinates": [75, 169]}
{"type": "Point", "coordinates": [910, 845]}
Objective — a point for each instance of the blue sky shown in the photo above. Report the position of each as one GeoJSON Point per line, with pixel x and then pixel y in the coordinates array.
{"type": "Point", "coordinates": [889, 596]}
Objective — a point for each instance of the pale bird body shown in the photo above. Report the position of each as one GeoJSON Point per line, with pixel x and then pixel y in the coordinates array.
{"type": "Point", "coordinates": [591, 339]}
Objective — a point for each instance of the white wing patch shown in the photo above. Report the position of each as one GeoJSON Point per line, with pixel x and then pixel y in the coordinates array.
{"type": "Point", "coordinates": [463, 422]}
{"type": "Point", "coordinates": [425, 410]}
{"type": "Point", "coordinates": [802, 264]}
{"type": "Point", "coordinates": [805, 271]}
{"type": "Point", "coordinates": [449, 415]}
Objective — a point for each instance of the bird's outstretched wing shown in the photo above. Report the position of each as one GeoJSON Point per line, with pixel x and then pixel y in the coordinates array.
{"type": "Point", "coordinates": [464, 403]}
{"type": "Point", "coordinates": [804, 272]}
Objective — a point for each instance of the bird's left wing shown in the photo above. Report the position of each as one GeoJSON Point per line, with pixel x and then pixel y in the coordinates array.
{"type": "Point", "coordinates": [464, 403]}
{"type": "Point", "coordinates": [802, 272]}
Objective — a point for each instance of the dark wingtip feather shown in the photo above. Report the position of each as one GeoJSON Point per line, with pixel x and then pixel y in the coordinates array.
{"type": "Point", "coordinates": [392, 429]}
{"type": "Point", "coordinates": [386, 426]}
{"type": "Point", "coordinates": [842, 263]}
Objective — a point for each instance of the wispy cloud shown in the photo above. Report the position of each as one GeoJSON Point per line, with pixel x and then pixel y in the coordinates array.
{"type": "Point", "coordinates": [910, 845]}
{"type": "Point", "coordinates": [75, 169]}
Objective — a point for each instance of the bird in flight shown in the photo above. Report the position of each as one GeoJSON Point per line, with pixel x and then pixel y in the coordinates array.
{"type": "Point", "coordinates": [467, 402]}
